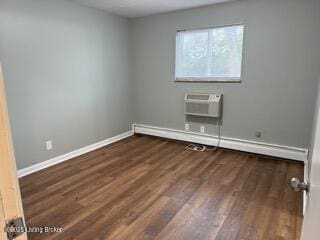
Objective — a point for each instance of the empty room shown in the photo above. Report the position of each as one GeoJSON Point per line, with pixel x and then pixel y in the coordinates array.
{"type": "Point", "coordinates": [159, 119]}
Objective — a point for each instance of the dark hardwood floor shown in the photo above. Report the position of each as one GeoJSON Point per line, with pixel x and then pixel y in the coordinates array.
{"type": "Point", "coordinates": [150, 188]}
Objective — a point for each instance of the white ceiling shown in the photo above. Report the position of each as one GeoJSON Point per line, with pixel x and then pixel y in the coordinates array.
{"type": "Point", "coordinates": [140, 8]}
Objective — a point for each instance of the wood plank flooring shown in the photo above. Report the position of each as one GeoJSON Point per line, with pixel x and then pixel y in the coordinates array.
{"type": "Point", "coordinates": [150, 188]}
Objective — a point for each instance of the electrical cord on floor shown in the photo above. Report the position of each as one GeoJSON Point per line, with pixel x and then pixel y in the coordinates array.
{"type": "Point", "coordinates": [195, 147]}
{"type": "Point", "coordinates": [202, 148]}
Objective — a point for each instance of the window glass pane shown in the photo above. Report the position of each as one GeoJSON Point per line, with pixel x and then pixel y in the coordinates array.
{"type": "Point", "coordinates": [210, 53]}
{"type": "Point", "coordinates": [226, 52]}
{"type": "Point", "coordinates": [193, 53]}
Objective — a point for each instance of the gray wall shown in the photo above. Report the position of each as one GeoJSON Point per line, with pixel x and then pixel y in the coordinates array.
{"type": "Point", "coordinates": [281, 66]}
{"type": "Point", "coordinates": [66, 76]}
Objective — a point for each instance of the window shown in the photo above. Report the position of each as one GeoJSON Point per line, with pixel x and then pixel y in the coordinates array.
{"type": "Point", "coordinates": [213, 54]}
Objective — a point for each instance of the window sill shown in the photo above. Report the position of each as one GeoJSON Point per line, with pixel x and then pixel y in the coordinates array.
{"type": "Point", "coordinates": [209, 79]}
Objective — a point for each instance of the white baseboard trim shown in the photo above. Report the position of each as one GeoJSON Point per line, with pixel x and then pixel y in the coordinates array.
{"type": "Point", "coordinates": [280, 151]}
{"type": "Point", "coordinates": [73, 154]}
{"type": "Point", "coordinates": [298, 154]}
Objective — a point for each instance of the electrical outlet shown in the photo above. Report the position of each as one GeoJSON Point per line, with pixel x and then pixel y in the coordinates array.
{"type": "Point", "coordinates": [187, 127]}
{"type": "Point", "coordinates": [258, 134]}
{"type": "Point", "coordinates": [202, 129]}
{"type": "Point", "coordinates": [49, 145]}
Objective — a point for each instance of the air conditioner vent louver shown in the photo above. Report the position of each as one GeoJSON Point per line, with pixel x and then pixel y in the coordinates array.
{"type": "Point", "coordinates": [198, 97]}
{"type": "Point", "coordinates": [203, 104]}
{"type": "Point", "coordinates": [198, 108]}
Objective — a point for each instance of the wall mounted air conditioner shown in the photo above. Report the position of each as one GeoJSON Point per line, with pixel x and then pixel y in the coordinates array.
{"type": "Point", "coordinates": [203, 104]}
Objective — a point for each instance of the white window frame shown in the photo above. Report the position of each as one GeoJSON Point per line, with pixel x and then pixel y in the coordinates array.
{"type": "Point", "coordinates": [209, 79]}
